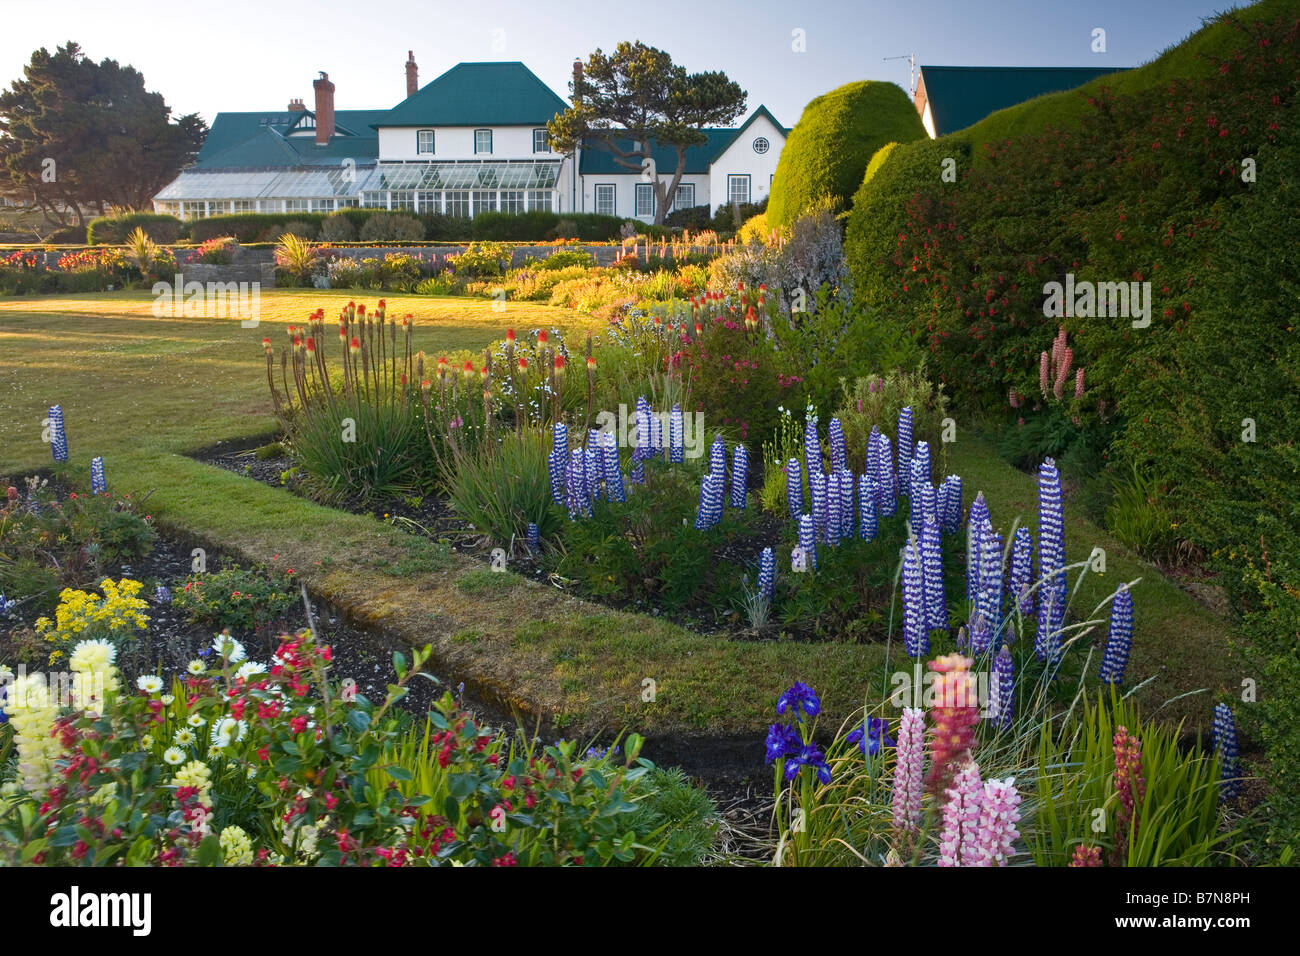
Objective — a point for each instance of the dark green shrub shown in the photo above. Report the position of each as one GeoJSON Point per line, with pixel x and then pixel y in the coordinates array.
{"type": "Point", "coordinates": [826, 154]}
{"type": "Point", "coordinates": [337, 227]}
{"type": "Point", "coordinates": [109, 230]}
{"type": "Point", "coordinates": [391, 227]}
{"type": "Point", "coordinates": [693, 218]}
{"type": "Point", "coordinates": [513, 227]}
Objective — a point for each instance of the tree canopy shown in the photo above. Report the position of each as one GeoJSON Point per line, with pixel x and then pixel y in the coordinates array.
{"type": "Point", "coordinates": [75, 134]}
{"type": "Point", "coordinates": [637, 98]}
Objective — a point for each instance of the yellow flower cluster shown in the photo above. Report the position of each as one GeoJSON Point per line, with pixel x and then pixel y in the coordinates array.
{"type": "Point", "coordinates": [196, 774]}
{"type": "Point", "coordinates": [117, 615]}
{"type": "Point", "coordinates": [236, 847]}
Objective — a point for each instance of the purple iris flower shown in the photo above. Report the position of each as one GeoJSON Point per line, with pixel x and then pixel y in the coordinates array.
{"type": "Point", "coordinates": [782, 741]}
{"type": "Point", "coordinates": [871, 736]}
{"type": "Point", "coordinates": [802, 698]}
{"type": "Point", "coordinates": [810, 755]}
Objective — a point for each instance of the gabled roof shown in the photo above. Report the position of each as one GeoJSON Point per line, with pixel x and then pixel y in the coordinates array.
{"type": "Point", "coordinates": [479, 94]}
{"type": "Point", "coordinates": [601, 162]}
{"type": "Point", "coordinates": [262, 139]}
{"type": "Point", "coordinates": [960, 96]}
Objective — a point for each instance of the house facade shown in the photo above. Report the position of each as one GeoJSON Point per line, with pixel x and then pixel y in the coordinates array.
{"type": "Point", "coordinates": [474, 140]}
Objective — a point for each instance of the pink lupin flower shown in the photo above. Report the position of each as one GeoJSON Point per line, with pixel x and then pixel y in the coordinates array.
{"type": "Point", "coordinates": [958, 840]}
{"type": "Point", "coordinates": [1078, 383]}
{"type": "Point", "coordinates": [1044, 372]}
{"type": "Point", "coordinates": [909, 768]}
{"type": "Point", "coordinates": [998, 816]}
{"type": "Point", "coordinates": [955, 714]}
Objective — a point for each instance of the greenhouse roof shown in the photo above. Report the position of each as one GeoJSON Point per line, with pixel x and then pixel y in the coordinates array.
{"type": "Point", "coordinates": [265, 183]}
{"type": "Point", "coordinates": [463, 175]}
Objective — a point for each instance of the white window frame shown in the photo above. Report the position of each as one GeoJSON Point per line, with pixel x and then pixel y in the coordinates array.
{"type": "Point", "coordinates": [643, 189]}
{"type": "Point", "coordinates": [477, 150]}
{"type": "Point", "coordinates": [546, 141]}
{"type": "Point", "coordinates": [419, 142]}
{"type": "Point", "coordinates": [677, 199]}
{"type": "Point", "coordinates": [613, 199]}
{"type": "Point", "coordinates": [732, 180]}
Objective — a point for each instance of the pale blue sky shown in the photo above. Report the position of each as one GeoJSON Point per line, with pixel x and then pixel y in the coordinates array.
{"type": "Point", "coordinates": [257, 54]}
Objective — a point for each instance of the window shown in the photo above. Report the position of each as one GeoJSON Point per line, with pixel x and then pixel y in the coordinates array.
{"type": "Point", "coordinates": [297, 205]}
{"type": "Point", "coordinates": [761, 145]}
{"type": "Point", "coordinates": [430, 201]}
{"type": "Point", "coordinates": [322, 205]}
{"type": "Point", "coordinates": [373, 200]}
{"type": "Point", "coordinates": [245, 205]}
{"type": "Point", "coordinates": [539, 199]}
{"type": "Point", "coordinates": [348, 203]}
{"type": "Point", "coordinates": [541, 141]}
{"type": "Point", "coordinates": [217, 207]}
{"type": "Point", "coordinates": [458, 202]}
{"type": "Point", "coordinates": [484, 201]}
{"type": "Point", "coordinates": [738, 189]}
{"type": "Point", "coordinates": [196, 210]}
{"type": "Point", "coordinates": [483, 141]}
{"type": "Point", "coordinates": [424, 141]}
{"type": "Point", "coordinates": [685, 197]}
{"type": "Point", "coordinates": [645, 199]}
{"type": "Point", "coordinates": [512, 200]}
{"type": "Point", "coordinates": [605, 200]}
{"type": "Point", "coordinates": [402, 199]}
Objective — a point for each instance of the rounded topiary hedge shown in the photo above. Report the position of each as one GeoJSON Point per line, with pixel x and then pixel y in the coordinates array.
{"type": "Point", "coordinates": [827, 152]}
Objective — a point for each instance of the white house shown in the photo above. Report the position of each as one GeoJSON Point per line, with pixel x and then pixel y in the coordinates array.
{"type": "Point", "coordinates": [473, 140]}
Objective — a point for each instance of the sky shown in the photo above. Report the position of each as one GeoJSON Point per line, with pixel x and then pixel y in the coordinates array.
{"type": "Point", "coordinates": [256, 55]}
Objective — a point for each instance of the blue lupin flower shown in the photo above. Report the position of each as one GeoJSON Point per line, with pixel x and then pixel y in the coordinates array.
{"type": "Point", "coordinates": [767, 574]}
{"type": "Point", "coordinates": [1052, 598]}
{"type": "Point", "coordinates": [916, 637]}
{"type": "Point", "coordinates": [988, 599]}
{"type": "Point", "coordinates": [873, 453]}
{"type": "Point", "coordinates": [739, 476]}
{"type": "Point", "coordinates": [871, 736]}
{"type": "Point", "coordinates": [557, 461]}
{"type": "Point", "coordinates": [676, 448]}
{"type": "Point", "coordinates": [886, 482]}
{"type": "Point", "coordinates": [161, 594]}
{"type": "Point", "coordinates": [534, 538]}
{"type": "Point", "coordinates": [1051, 524]}
{"type": "Point", "coordinates": [782, 741]}
{"type": "Point", "coordinates": [867, 525]}
{"type": "Point", "coordinates": [905, 445]}
{"type": "Point", "coordinates": [592, 466]}
{"type": "Point", "coordinates": [98, 485]}
{"type": "Point", "coordinates": [952, 509]}
{"type": "Point", "coordinates": [920, 456]}
{"type": "Point", "coordinates": [1022, 569]}
{"type": "Point", "coordinates": [1225, 743]}
{"type": "Point", "coordinates": [801, 700]}
{"type": "Point", "coordinates": [848, 512]}
{"type": "Point", "coordinates": [936, 607]}
{"type": "Point", "coordinates": [812, 446]}
{"type": "Point", "coordinates": [58, 435]}
{"type": "Point", "coordinates": [641, 451]}
{"type": "Point", "coordinates": [718, 457]}
{"type": "Point", "coordinates": [833, 509]}
{"type": "Point", "coordinates": [710, 502]}
{"type": "Point", "coordinates": [808, 539]}
{"type": "Point", "coordinates": [839, 450]}
{"type": "Point", "coordinates": [1120, 638]}
{"type": "Point", "coordinates": [656, 434]}
{"type": "Point", "coordinates": [915, 506]}
{"type": "Point", "coordinates": [1002, 698]}
{"type": "Point", "coordinates": [614, 490]}
{"type": "Point", "coordinates": [979, 517]}
{"type": "Point", "coordinates": [575, 485]}
{"type": "Point", "coordinates": [817, 490]}
{"type": "Point", "coordinates": [794, 488]}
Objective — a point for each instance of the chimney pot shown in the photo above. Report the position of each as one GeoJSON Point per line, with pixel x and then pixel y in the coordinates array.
{"type": "Point", "coordinates": [324, 109]}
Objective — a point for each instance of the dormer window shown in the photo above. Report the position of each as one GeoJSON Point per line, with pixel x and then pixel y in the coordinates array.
{"type": "Point", "coordinates": [424, 141]}
{"type": "Point", "coordinates": [483, 141]}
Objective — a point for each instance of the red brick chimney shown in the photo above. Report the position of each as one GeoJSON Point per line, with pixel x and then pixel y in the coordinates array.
{"type": "Point", "coordinates": [577, 80]}
{"type": "Point", "coordinates": [324, 109]}
{"type": "Point", "coordinates": [295, 106]}
{"type": "Point", "coordinates": [412, 74]}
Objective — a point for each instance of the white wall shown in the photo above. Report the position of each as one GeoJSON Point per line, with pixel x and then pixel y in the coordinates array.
{"type": "Point", "coordinates": [457, 142]}
{"type": "Point", "coordinates": [740, 159]}
{"type": "Point", "coordinates": [625, 191]}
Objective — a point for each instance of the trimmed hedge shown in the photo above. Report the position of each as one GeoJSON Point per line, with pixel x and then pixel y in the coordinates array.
{"type": "Point", "coordinates": [113, 230]}
{"type": "Point", "coordinates": [827, 152]}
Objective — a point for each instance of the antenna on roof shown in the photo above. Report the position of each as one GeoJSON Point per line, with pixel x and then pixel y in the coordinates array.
{"type": "Point", "coordinates": [911, 71]}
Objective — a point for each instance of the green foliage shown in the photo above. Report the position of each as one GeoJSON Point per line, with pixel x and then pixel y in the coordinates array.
{"type": "Point", "coordinates": [1139, 516]}
{"type": "Point", "coordinates": [681, 815]}
{"type": "Point", "coordinates": [387, 457]}
{"type": "Point", "coordinates": [110, 230]}
{"type": "Point", "coordinates": [786, 443]}
{"type": "Point", "coordinates": [876, 400]}
{"type": "Point", "coordinates": [503, 485]}
{"type": "Point", "coordinates": [827, 152]}
{"type": "Point", "coordinates": [1177, 820]}
{"type": "Point", "coordinates": [391, 227]}
{"type": "Point", "coordinates": [481, 260]}
{"type": "Point", "coordinates": [562, 259]}
{"type": "Point", "coordinates": [337, 227]}
{"type": "Point", "coordinates": [241, 599]}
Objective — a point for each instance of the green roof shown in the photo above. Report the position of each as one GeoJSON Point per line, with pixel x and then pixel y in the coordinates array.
{"type": "Point", "coordinates": [479, 94]}
{"type": "Point", "coordinates": [960, 96]}
{"type": "Point", "coordinates": [262, 139]}
{"type": "Point", "coordinates": [600, 162]}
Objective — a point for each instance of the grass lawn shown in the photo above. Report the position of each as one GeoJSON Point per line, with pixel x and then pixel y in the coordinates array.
{"type": "Point", "coordinates": [143, 391]}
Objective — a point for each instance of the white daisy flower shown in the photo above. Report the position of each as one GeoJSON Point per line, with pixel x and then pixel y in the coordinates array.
{"type": "Point", "coordinates": [229, 648]}
{"type": "Point", "coordinates": [146, 742]}
{"type": "Point", "coordinates": [194, 720]}
{"type": "Point", "coordinates": [250, 668]}
{"type": "Point", "coordinates": [196, 667]}
{"type": "Point", "coordinates": [167, 699]}
{"type": "Point", "coordinates": [184, 737]}
{"type": "Point", "coordinates": [226, 730]}
{"type": "Point", "coordinates": [149, 683]}
{"type": "Point", "coordinates": [174, 756]}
